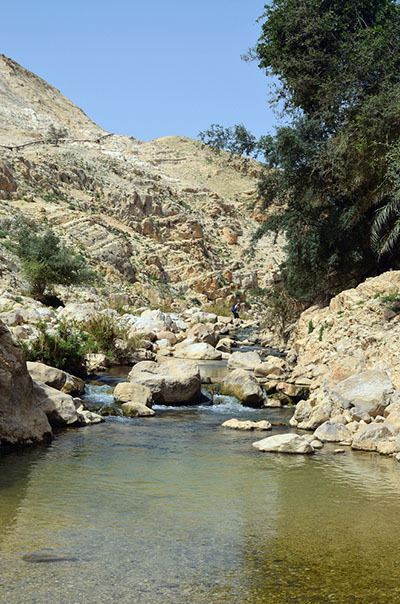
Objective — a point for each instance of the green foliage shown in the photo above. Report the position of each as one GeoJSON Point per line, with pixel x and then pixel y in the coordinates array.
{"type": "Point", "coordinates": [47, 261]}
{"type": "Point", "coordinates": [103, 331]}
{"type": "Point", "coordinates": [310, 326]}
{"type": "Point", "coordinates": [281, 310]}
{"type": "Point", "coordinates": [64, 349]}
{"type": "Point", "coordinates": [56, 134]}
{"type": "Point", "coordinates": [337, 163]}
{"type": "Point", "coordinates": [235, 140]}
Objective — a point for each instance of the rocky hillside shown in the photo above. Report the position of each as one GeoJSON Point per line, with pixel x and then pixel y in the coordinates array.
{"type": "Point", "coordinates": [164, 221]}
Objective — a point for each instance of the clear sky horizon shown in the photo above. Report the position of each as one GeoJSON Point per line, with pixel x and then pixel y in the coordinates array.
{"type": "Point", "coordinates": [146, 69]}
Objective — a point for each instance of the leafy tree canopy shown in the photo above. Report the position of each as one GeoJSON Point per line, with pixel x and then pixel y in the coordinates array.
{"type": "Point", "coordinates": [338, 68]}
{"type": "Point", "coordinates": [48, 262]}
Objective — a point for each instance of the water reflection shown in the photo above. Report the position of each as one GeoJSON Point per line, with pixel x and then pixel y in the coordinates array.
{"type": "Point", "coordinates": [178, 509]}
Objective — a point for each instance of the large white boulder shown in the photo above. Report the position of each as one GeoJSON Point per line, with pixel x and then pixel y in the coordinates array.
{"type": "Point", "coordinates": [369, 436]}
{"type": "Point", "coordinates": [284, 443]}
{"type": "Point", "coordinates": [370, 391]}
{"type": "Point", "coordinates": [172, 382]}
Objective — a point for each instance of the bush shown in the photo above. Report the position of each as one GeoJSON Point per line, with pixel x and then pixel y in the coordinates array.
{"type": "Point", "coordinates": [47, 262]}
{"type": "Point", "coordinates": [281, 310]}
{"type": "Point", "coordinates": [65, 349]}
{"type": "Point", "coordinates": [103, 331]}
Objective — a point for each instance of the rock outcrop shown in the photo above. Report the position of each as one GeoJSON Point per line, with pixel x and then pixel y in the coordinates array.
{"type": "Point", "coordinates": [21, 420]}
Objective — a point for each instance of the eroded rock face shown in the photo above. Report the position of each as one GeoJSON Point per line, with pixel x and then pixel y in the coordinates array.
{"type": "Point", "coordinates": [369, 436]}
{"type": "Point", "coordinates": [369, 393]}
{"type": "Point", "coordinates": [21, 420]}
{"type": "Point", "coordinates": [284, 443]}
{"type": "Point", "coordinates": [172, 382]}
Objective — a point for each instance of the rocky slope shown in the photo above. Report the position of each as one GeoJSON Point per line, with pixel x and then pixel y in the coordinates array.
{"type": "Point", "coordinates": [164, 221]}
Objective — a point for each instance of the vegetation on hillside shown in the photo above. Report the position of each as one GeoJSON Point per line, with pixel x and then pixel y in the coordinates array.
{"type": "Point", "coordinates": [337, 160]}
{"type": "Point", "coordinates": [47, 262]}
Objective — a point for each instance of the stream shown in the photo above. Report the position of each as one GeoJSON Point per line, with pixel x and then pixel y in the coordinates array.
{"type": "Point", "coordinates": [175, 509]}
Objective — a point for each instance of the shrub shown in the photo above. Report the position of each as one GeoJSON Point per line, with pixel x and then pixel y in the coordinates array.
{"type": "Point", "coordinates": [281, 310]}
{"type": "Point", "coordinates": [47, 261]}
{"type": "Point", "coordinates": [103, 331]}
{"type": "Point", "coordinates": [65, 349]}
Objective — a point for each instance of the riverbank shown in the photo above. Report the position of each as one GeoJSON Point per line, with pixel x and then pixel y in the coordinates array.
{"type": "Point", "coordinates": [343, 386]}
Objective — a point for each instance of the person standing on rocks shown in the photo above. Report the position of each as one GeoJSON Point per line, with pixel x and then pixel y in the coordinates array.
{"type": "Point", "coordinates": [235, 310]}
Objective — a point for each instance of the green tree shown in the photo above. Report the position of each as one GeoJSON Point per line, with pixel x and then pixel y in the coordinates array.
{"type": "Point", "coordinates": [47, 261]}
{"type": "Point", "coordinates": [236, 139]}
{"type": "Point", "coordinates": [337, 162]}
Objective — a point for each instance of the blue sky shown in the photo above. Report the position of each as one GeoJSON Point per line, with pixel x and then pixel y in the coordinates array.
{"type": "Point", "coordinates": [145, 69]}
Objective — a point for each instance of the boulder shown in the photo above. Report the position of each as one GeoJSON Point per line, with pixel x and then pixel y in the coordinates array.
{"type": "Point", "coordinates": [78, 312]}
{"type": "Point", "coordinates": [129, 392]}
{"type": "Point", "coordinates": [392, 421]}
{"type": "Point", "coordinates": [203, 332]}
{"type": "Point", "coordinates": [370, 391]}
{"type": "Point", "coordinates": [96, 362]}
{"type": "Point", "coordinates": [86, 417]}
{"type": "Point", "coordinates": [284, 443]}
{"type": "Point", "coordinates": [244, 360]}
{"type": "Point", "coordinates": [244, 387]}
{"type": "Point", "coordinates": [56, 378]}
{"type": "Point", "coordinates": [172, 382]}
{"type": "Point", "coordinates": [189, 349]}
{"type": "Point", "coordinates": [272, 366]}
{"type": "Point", "coordinates": [167, 335]}
{"type": "Point", "coordinates": [59, 407]}
{"type": "Point", "coordinates": [368, 436]}
{"type": "Point", "coordinates": [22, 422]}
{"type": "Point", "coordinates": [333, 432]}
{"type": "Point", "coordinates": [134, 409]}
{"type": "Point", "coordinates": [225, 345]}
{"type": "Point", "coordinates": [236, 424]}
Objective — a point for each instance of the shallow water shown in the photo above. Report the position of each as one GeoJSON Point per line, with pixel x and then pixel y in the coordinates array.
{"type": "Point", "coordinates": [174, 509]}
